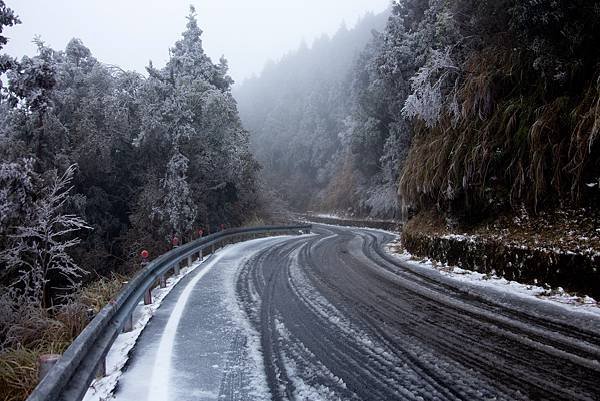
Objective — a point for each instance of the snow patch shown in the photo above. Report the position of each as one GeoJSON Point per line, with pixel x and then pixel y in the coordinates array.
{"type": "Point", "coordinates": [159, 384]}
{"type": "Point", "coordinates": [556, 296]}
{"type": "Point", "coordinates": [256, 370]}
{"type": "Point", "coordinates": [102, 389]}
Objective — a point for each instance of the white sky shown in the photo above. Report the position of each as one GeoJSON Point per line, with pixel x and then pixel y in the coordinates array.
{"type": "Point", "coordinates": [129, 33]}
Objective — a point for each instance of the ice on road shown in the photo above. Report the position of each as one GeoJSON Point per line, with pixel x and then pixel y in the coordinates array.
{"type": "Point", "coordinates": [198, 345]}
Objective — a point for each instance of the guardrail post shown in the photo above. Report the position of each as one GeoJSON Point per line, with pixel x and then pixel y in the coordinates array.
{"type": "Point", "coordinates": [176, 268]}
{"type": "Point", "coordinates": [45, 363]}
{"type": "Point", "coordinates": [128, 326]}
{"type": "Point", "coordinates": [163, 281]}
{"type": "Point", "coordinates": [148, 296]}
{"type": "Point", "coordinates": [101, 371]}
{"type": "Point", "coordinates": [190, 260]}
{"type": "Point", "coordinates": [200, 235]}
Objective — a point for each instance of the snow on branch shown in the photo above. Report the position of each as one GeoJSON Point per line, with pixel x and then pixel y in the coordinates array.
{"type": "Point", "coordinates": [40, 246]}
{"type": "Point", "coordinates": [427, 100]}
{"type": "Point", "coordinates": [176, 207]}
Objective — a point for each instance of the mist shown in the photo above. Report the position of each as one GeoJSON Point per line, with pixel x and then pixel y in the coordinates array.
{"type": "Point", "coordinates": [130, 33]}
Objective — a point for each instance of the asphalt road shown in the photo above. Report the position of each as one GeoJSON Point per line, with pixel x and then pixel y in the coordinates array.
{"type": "Point", "coordinates": [332, 316]}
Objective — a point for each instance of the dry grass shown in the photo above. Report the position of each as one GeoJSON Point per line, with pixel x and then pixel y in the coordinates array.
{"type": "Point", "coordinates": [254, 221]}
{"type": "Point", "coordinates": [585, 135]}
{"type": "Point", "coordinates": [99, 293]}
{"type": "Point", "coordinates": [18, 364]}
{"type": "Point", "coordinates": [340, 194]}
{"type": "Point", "coordinates": [18, 373]}
{"type": "Point", "coordinates": [513, 144]}
{"type": "Point", "coordinates": [34, 331]}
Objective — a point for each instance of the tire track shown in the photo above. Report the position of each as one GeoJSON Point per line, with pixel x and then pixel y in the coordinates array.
{"type": "Point", "coordinates": [340, 319]}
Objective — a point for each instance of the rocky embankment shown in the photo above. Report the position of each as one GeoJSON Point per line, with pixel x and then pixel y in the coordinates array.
{"type": "Point", "coordinates": [558, 249]}
{"type": "Point", "coordinates": [390, 225]}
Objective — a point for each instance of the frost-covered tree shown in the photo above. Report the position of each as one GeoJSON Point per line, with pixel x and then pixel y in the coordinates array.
{"type": "Point", "coordinates": [156, 155]}
{"type": "Point", "coordinates": [17, 192]}
{"type": "Point", "coordinates": [32, 81]}
{"type": "Point", "coordinates": [29, 96]}
{"type": "Point", "coordinates": [38, 253]}
{"type": "Point", "coordinates": [7, 18]}
{"type": "Point", "coordinates": [177, 207]}
{"type": "Point", "coordinates": [427, 99]}
{"type": "Point", "coordinates": [297, 111]}
{"type": "Point", "coordinates": [186, 109]}
{"type": "Point", "coordinates": [189, 59]}
{"type": "Point", "coordinates": [82, 112]}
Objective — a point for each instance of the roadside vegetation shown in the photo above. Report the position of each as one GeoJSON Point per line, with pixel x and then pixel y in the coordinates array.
{"type": "Point", "coordinates": [556, 249]}
{"type": "Point", "coordinates": [29, 331]}
{"type": "Point", "coordinates": [466, 107]}
{"type": "Point", "coordinates": [506, 114]}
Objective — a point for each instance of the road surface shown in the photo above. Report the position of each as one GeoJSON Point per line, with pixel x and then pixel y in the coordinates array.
{"type": "Point", "coordinates": [332, 316]}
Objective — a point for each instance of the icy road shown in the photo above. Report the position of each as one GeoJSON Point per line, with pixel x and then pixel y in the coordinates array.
{"type": "Point", "coordinates": [332, 316]}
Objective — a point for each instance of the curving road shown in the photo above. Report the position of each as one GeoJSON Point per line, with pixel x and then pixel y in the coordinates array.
{"type": "Point", "coordinates": [332, 316]}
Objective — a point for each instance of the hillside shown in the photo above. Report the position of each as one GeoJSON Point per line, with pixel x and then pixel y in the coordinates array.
{"type": "Point", "coordinates": [297, 112]}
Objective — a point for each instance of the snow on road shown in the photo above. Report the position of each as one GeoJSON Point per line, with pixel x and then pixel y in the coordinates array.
{"type": "Point", "coordinates": [198, 344]}
{"type": "Point", "coordinates": [102, 389]}
{"type": "Point", "coordinates": [332, 316]}
{"type": "Point", "coordinates": [159, 382]}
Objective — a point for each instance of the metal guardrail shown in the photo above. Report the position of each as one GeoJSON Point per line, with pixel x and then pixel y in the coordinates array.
{"type": "Point", "coordinates": [390, 225]}
{"type": "Point", "coordinates": [72, 375]}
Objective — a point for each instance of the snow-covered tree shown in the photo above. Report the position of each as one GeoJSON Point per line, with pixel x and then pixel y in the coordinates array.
{"type": "Point", "coordinates": [39, 251]}
{"type": "Point", "coordinates": [32, 81]}
{"type": "Point", "coordinates": [427, 101]}
{"type": "Point", "coordinates": [131, 137]}
{"type": "Point", "coordinates": [297, 112]}
{"type": "Point", "coordinates": [7, 18]}
{"type": "Point", "coordinates": [17, 191]}
{"type": "Point", "coordinates": [177, 207]}
{"type": "Point", "coordinates": [190, 126]}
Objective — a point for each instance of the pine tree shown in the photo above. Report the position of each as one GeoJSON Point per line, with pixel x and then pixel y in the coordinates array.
{"type": "Point", "coordinates": [177, 207]}
{"type": "Point", "coordinates": [7, 18]}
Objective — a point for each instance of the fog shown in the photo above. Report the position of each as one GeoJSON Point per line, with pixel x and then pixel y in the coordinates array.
{"type": "Point", "coordinates": [132, 32]}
